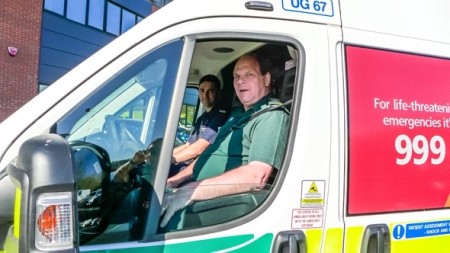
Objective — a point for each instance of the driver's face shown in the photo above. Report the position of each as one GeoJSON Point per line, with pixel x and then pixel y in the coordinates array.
{"type": "Point", "coordinates": [249, 83]}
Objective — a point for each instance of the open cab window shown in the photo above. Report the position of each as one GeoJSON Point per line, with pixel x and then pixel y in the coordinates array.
{"type": "Point", "coordinates": [118, 131]}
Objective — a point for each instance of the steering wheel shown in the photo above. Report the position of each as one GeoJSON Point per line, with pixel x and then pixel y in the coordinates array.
{"type": "Point", "coordinates": [111, 128]}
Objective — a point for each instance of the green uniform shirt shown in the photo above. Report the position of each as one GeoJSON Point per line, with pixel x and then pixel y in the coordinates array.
{"type": "Point", "coordinates": [243, 139]}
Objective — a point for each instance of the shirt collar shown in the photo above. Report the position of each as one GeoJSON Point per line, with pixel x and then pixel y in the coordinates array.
{"type": "Point", "coordinates": [263, 102]}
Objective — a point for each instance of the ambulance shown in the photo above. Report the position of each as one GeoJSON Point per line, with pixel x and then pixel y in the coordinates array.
{"type": "Point", "coordinates": [366, 168]}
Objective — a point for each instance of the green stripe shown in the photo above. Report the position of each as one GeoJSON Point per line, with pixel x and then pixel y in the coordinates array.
{"type": "Point", "coordinates": [261, 244]}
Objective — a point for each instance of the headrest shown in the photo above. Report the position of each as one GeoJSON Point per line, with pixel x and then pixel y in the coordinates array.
{"type": "Point", "coordinates": [287, 89]}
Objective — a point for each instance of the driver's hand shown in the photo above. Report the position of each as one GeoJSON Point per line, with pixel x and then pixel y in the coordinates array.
{"type": "Point", "coordinates": [122, 175]}
{"type": "Point", "coordinates": [175, 200]}
{"type": "Point", "coordinates": [139, 156]}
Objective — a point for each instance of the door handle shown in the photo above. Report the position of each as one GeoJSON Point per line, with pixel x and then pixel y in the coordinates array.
{"type": "Point", "coordinates": [290, 242]}
{"type": "Point", "coordinates": [376, 239]}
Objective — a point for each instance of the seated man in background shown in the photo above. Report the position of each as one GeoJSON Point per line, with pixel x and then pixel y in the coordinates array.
{"type": "Point", "coordinates": [203, 132]}
{"type": "Point", "coordinates": [248, 149]}
{"type": "Point", "coordinates": [205, 128]}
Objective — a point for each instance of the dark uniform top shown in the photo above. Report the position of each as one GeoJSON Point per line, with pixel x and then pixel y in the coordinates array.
{"type": "Point", "coordinates": [208, 124]}
{"type": "Point", "coordinates": [205, 127]}
{"type": "Point", "coordinates": [244, 138]}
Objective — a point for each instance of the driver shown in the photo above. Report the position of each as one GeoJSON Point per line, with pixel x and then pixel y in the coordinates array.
{"type": "Point", "coordinates": [249, 148]}
{"type": "Point", "coordinates": [205, 127]}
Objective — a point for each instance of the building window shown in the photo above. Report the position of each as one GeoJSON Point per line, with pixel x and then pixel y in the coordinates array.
{"type": "Point", "coordinates": [76, 10]}
{"type": "Point", "coordinates": [42, 87]}
{"type": "Point", "coordinates": [112, 19]}
{"type": "Point", "coordinates": [128, 20]}
{"type": "Point", "coordinates": [56, 6]}
{"type": "Point", "coordinates": [96, 13]}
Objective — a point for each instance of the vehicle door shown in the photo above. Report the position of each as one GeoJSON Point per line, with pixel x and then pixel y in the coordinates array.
{"type": "Point", "coordinates": [134, 104]}
{"type": "Point", "coordinates": [397, 164]}
{"type": "Point", "coordinates": [255, 221]}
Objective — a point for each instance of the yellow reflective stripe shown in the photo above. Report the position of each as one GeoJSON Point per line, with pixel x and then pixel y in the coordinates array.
{"type": "Point", "coordinates": [332, 244]}
{"type": "Point", "coordinates": [17, 212]}
{"type": "Point", "coordinates": [313, 240]}
{"type": "Point", "coordinates": [435, 244]}
{"type": "Point", "coordinates": [353, 239]}
{"type": "Point", "coordinates": [333, 240]}
{"type": "Point", "coordinates": [11, 244]}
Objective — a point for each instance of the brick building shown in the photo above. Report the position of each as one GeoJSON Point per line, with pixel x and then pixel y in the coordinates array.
{"type": "Point", "coordinates": [20, 27]}
{"type": "Point", "coordinates": [53, 36]}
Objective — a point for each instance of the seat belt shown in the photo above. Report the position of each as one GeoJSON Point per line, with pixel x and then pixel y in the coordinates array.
{"type": "Point", "coordinates": [271, 108]}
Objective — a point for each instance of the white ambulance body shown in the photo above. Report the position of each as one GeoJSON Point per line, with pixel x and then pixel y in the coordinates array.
{"type": "Point", "coordinates": [367, 84]}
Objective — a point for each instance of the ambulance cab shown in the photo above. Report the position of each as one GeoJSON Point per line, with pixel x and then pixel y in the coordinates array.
{"type": "Point", "coordinates": [365, 167]}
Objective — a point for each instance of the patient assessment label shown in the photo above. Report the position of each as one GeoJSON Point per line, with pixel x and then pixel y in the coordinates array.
{"type": "Point", "coordinates": [423, 229]}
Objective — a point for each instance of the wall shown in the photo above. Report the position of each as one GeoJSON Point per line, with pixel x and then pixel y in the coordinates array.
{"type": "Point", "coordinates": [49, 46]}
{"type": "Point", "coordinates": [20, 26]}
{"type": "Point", "coordinates": [140, 7]}
{"type": "Point", "coordinates": [65, 44]}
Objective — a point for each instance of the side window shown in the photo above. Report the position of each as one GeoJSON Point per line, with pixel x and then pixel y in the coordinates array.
{"type": "Point", "coordinates": [129, 103]}
{"type": "Point", "coordinates": [398, 133]}
{"type": "Point", "coordinates": [187, 114]}
{"type": "Point", "coordinates": [239, 139]}
{"type": "Point", "coordinates": [127, 115]}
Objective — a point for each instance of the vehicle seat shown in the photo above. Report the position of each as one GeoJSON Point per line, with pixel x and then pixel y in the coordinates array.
{"type": "Point", "coordinates": [287, 88]}
{"type": "Point", "coordinates": [215, 211]}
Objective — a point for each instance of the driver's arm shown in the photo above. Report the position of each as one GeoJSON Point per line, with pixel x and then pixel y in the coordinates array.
{"type": "Point", "coordinates": [183, 176]}
{"type": "Point", "coordinates": [181, 147]}
{"type": "Point", "coordinates": [252, 176]}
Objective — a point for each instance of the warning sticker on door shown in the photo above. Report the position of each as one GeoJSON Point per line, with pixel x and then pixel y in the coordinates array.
{"type": "Point", "coordinates": [307, 218]}
{"type": "Point", "coordinates": [313, 193]}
